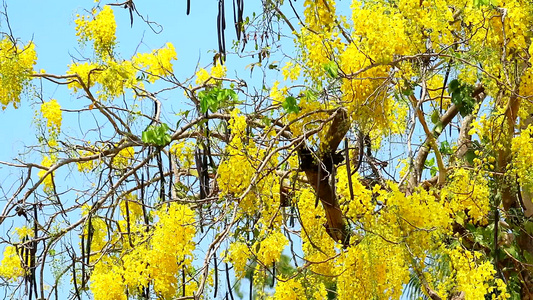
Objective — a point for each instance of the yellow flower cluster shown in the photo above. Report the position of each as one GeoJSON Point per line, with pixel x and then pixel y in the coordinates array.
{"type": "Point", "coordinates": [123, 158]}
{"type": "Point", "coordinates": [373, 267]}
{"type": "Point", "coordinates": [86, 166]}
{"type": "Point", "coordinates": [365, 96]}
{"type": "Point", "coordinates": [238, 254]}
{"type": "Point", "coordinates": [152, 260]}
{"type": "Point", "coordinates": [114, 78]}
{"type": "Point", "coordinates": [276, 94]}
{"type": "Point", "coordinates": [291, 71]}
{"type": "Point", "coordinates": [470, 192]}
{"type": "Point", "coordinates": [24, 232]}
{"type": "Point", "coordinates": [315, 53]}
{"type": "Point", "coordinates": [107, 282]}
{"type": "Point", "coordinates": [381, 30]}
{"type": "Point", "coordinates": [519, 13]}
{"type": "Point", "coordinates": [313, 220]}
{"type": "Point", "coordinates": [158, 63]}
{"type": "Point", "coordinates": [11, 266]}
{"type": "Point", "coordinates": [166, 259]}
{"type": "Point", "coordinates": [240, 164]}
{"type": "Point", "coordinates": [290, 289]}
{"type": "Point", "coordinates": [320, 15]}
{"type": "Point", "coordinates": [473, 275]}
{"type": "Point", "coordinates": [52, 113]}
{"type": "Point", "coordinates": [217, 71]}
{"type": "Point", "coordinates": [99, 236]}
{"type": "Point", "coordinates": [308, 105]}
{"type": "Point", "coordinates": [87, 72]}
{"type": "Point", "coordinates": [522, 149]}
{"type": "Point", "coordinates": [48, 185]}
{"type": "Point", "coordinates": [134, 207]}
{"type": "Point", "coordinates": [435, 89]}
{"type": "Point", "coordinates": [228, 179]}
{"type": "Point", "coordinates": [16, 67]}
{"type": "Point", "coordinates": [362, 203]}
{"type": "Point", "coordinates": [100, 30]}
{"type": "Point", "coordinates": [271, 247]}
{"type": "Point", "coordinates": [526, 82]}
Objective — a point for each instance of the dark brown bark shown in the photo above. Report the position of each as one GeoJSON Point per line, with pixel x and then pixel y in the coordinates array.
{"type": "Point", "coordinates": [318, 166]}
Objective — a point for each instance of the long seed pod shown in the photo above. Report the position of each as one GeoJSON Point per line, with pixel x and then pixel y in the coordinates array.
{"type": "Point", "coordinates": [348, 169]}
{"type": "Point", "coordinates": [216, 274]}
{"type": "Point", "coordinates": [82, 259]}
{"type": "Point", "coordinates": [161, 176]}
{"type": "Point", "coordinates": [229, 282]}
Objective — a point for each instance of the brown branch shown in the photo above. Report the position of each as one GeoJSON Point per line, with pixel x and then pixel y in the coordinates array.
{"type": "Point", "coordinates": [423, 153]}
{"type": "Point", "coordinates": [318, 175]}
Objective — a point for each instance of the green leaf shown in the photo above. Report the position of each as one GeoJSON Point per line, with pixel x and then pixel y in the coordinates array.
{"type": "Point", "coordinates": [528, 257]}
{"type": "Point", "coordinates": [438, 128]}
{"type": "Point", "coordinates": [157, 135]}
{"type": "Point", "coordinates": [433, 171]}
{"type": "Point", "coordinates": [408, 91]}
{"type": "Point", "coordinates": [453, 86]}
{"type": "Point", "coordinates": [435, 117]}
{"type": "Point", "coordinates": [332, 69]}
{"type": "Point", "coordinates": [528, 226]}
{"type": "Point", "coordinates": [462, 97]}
{"type": "Point", "coordinates": [512, 250]}
{"type": "Point", "coordinates": [430, 162]}
{"type": "Point", "coordinates": [310, 95]}
{"type": "Point", "coordinates": [290, 105]}
{"type": "Point", "coordinates": [460, 217]}
{"type": "Point", "coordinates": [267, 121]}
{"type": "Point", "coordinates": [214, 98]}
{"type": "Point", "coordinates": [470, 156]}
{"type": "Point", "coordinates": [445, 148]}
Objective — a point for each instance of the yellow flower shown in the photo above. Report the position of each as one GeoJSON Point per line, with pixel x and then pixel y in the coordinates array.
{"type": "Point", "coordinates": [100, 30]}
{"type": "Point", "coordinates": [271, 247]}
{"type": "Point", "coordinates": [87, 72]}
{"type": "Point", "coordinates": [24, 232]}
{"type": "Point", "coordinates": [158, 63]}
{"type": "Point", "coordinates": [11, 265]}
{"type": "Point", "coordinates": [238, 254]}
{"type": "Point", "coordinates": [16, 67]}
{"type": "Point", "coordinates": [204, 77]}
{"type": "Point", "coordinates": [48, 185]}
{"type": "Point", "coordinates": [123, 158]}
{"type": "Point", "coordinates": [52, 113]}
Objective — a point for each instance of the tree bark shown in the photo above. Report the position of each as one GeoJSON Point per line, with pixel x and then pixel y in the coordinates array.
{"type": "Point", "coordinates": [318, 167]}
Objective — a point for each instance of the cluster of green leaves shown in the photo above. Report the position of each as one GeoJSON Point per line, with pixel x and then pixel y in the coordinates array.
{"type": "Point", "coordinates": [290, 105]}
{"type": "Point", "coordinates": [462, 96]}
{"type": "Point", "coordinates": [479, 3]}
{"type": "Point", "coordinates": [157, 135]}
{"type": "Point", "coordinates": [332, 69]}
{"type": "Point", "coordinates": [214, 98]}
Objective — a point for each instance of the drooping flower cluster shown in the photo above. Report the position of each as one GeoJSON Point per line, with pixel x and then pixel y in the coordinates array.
{"type": "Point", "coordinates": [152, 259]}
{"type": "Point", "coordinates": [52, 113]}
{"type": "Point", "coordinates": [16, 67]}
{"type": "Point", "coordinates": [100, 29]}
{"type": "Point", "coordinates": [158, 63]}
